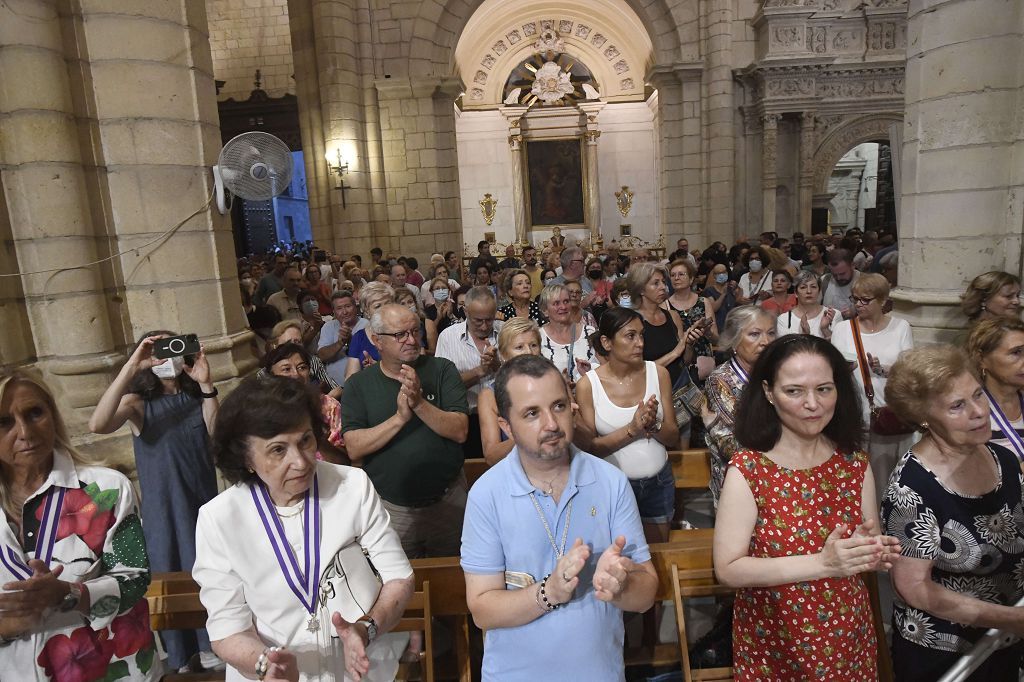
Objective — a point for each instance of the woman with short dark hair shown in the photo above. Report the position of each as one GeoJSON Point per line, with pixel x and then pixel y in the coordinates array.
{"type": "Point", "coordinates": [798, 521]}
{"type": "Point", "coordinates": [991, 295]}
{"type": "Point", "coordinates": [259, 593]}
{"type": "Point", "coordinates": [954, 503]}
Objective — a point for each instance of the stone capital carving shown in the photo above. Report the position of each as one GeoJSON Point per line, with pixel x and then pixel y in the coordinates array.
{"type": "Point", "coordinates": [770, 122]}
{"type": "Point", "coordinates": [515, 142]}
{"type": "Point", "coordinates": [591, 136]}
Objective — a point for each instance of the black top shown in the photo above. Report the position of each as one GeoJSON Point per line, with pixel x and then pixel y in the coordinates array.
{"type": "Point", "coordinates": [976, 545]}
{"type": "Point", "coordinates": [660, 340]}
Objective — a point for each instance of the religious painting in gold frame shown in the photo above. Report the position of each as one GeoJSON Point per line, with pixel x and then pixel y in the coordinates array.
{"type": "Point", "coordinates": [555, 182]}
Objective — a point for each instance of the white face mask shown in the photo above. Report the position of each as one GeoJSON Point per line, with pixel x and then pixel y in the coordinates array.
{"type": "Point", "coordinates": [170, 368]}
{"type": "Point", "coordinates": [755, 266]}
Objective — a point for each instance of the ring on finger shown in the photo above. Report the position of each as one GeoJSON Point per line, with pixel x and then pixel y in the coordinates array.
{"type": "Point", "coordinates": [565, 577]}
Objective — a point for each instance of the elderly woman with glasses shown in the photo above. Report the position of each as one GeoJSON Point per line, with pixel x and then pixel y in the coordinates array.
{"type": "Point", "coordinates": [883, 337]}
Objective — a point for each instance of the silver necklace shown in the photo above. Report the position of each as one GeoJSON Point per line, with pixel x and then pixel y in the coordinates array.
{"type": "Point", "coordinates": [551, 536]}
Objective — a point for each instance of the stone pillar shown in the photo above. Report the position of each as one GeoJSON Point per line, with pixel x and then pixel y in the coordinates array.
{"type": "Point", "coordinates": [805, 185]}
{"type": "Point", "coordinates": [150, 112]}
{"type": "Point", "coordinates": [769, 151]}
{"type": "Point", "coordinates": [591, 133]}
{"type": "Point", "coordinates": [420, 164]}
{"type": "Point", "coordinates": [514, 116]}
{"type": "Point", "coordinates": [49, 212]}
{"type": "Point", "coordinates": [679, 126]}
{"type": "Point", "coordinates": [962, 180]}
{"type": "Point", "coordinates": [720, 132]}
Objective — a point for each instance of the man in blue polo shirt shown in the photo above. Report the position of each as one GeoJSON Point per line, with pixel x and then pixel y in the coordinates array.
{"type": "Point", "coordinates": [551, 610]}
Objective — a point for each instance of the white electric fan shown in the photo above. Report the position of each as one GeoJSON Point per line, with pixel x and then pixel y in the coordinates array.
{"type": "Point", "coordinates": [255, 166]}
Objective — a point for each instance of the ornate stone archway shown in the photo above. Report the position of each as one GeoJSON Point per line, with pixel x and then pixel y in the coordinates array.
{"type": "Point", "coordinates": [844, 136]}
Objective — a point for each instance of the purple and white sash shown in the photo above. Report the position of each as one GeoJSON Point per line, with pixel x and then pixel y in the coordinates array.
{"type": "Point", "coordinates": [1004, 424]}
{"type": "Point", "coordinates": [740, 372]}
{"type": "Point", "coordinates": [305, 583]}
{"type": "Point", "coordinates": [46, 537]}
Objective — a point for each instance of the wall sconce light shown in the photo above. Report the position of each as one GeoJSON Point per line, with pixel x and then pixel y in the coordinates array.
{"type": "Point", "coordinates": [338, 166]}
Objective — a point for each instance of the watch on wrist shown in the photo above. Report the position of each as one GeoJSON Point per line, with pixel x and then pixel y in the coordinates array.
{"type": "Point", "coordinates": [371, 628]}
{"type": "Point", "coordinates": [211, 394]}
{"type": "Point", "coordinates": [71, 599]}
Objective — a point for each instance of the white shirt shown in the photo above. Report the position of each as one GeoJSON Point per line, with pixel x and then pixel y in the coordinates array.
{"type": "Point", "coordinates": [885, 344]}
{"type": "Point", "coordinates": [241, 584]}
{"type": "Point", "coordinates": [764, 284]}
{"type": "Point", "coordinates": [836, 296]}
{"type": "Point", "coordinates": [455, 344]}
{"type": "Point", "coordinates": [580, 349]}
{"type": "Point", "coordinates": [789, 323]}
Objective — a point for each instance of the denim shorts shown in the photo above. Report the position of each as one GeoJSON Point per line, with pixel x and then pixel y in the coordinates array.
{"type": "Point", "coordinates": [656, 496]}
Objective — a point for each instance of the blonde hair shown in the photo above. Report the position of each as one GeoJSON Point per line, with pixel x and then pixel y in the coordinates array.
{"type": "Point", "coordinates": [982, 288]}
{"type": "Point", "coordinates": [374, 291]}
{"type": "Point", "coordinates": [512, 328]}
{"type": "Point", "coordinates": [872, 284]}
{"type": "Point", "coordinates": [986, 335]}
{"type": "Point", "coordinates": [920, 375]}
{"type": "Point", "coordinates": [62, 440]}
{"type": "Point", "coordinates": [281, 327]}
{"type": "Point", "coordinates": [639, 275]}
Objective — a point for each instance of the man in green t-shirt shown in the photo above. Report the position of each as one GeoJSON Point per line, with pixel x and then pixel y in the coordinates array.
{"type": "Point", "coordinates": [405, 419]}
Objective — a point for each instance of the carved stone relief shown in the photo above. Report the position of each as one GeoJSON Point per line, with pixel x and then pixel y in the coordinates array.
{"type": "Point", "coordinates": [787, 36]}
{"type": "Point", "coordinates": [582, 31]}
{"type": "Point", "coordinates": [843, 138]}
{"type": "Point", "coordinates": [513, 37]}
{"type": "Point", "coordinates": [790, 87]}
{"type": "Point", "coordinates": [817, 39]}
{"type": "Point", "coordinates": [530, 29]}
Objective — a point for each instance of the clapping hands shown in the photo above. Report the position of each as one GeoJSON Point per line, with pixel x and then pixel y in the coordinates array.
{"type": "Point", "coordinates": [864, 550]}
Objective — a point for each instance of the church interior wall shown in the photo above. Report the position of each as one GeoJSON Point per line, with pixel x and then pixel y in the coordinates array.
{"type": "Point", "coordinates": [246, 35]}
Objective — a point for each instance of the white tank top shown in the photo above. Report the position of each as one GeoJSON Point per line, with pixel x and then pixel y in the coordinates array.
{"type": "Point", "coordinates": [643, 457]}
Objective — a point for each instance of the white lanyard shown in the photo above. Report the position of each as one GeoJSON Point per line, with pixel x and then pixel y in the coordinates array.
{"type": "Point", "coordinates": [1003, 422]}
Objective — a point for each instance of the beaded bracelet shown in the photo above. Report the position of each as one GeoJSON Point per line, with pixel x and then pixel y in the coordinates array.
{"type": "Point", "coordinates": [542, 595]}
{"type": "Point", "coordinates": [263, 662]}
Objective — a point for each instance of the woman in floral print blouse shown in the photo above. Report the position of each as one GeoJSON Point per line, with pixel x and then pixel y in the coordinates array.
{"type": "Point", "coordinates": [73, 565]}
{"type": "Point", "coordinates": [954, 502]}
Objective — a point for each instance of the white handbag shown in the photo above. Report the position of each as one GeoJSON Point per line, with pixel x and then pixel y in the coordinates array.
{"type": "Point", "coordinates": [350, 584]}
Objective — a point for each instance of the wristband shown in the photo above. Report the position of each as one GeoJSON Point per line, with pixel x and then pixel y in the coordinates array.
{"type": "Point", "coordinates": [211, 394]}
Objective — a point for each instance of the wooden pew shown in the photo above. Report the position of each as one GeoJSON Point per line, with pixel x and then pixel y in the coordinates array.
{"type": "Point", "coordinates": [418, 618]}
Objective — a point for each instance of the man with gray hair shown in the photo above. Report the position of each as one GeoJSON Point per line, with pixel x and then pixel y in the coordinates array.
{"type": "Point", "coordinates": [573, 259]}
{"type": "Point", "coordinates": [473, 347]}
{"type": "Point", "coordinates": [404, 420]}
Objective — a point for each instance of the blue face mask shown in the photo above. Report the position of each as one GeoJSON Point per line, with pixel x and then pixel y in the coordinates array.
{"type": "Point", "coordinates": [441, 295]}
{"type": "Point", "coordinates": [722, 278]}
{"type": "Point", "coordinates": [625, 301]}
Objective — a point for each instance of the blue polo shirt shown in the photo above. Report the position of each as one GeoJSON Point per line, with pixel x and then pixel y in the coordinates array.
{"type": "Point", "coordinates": [583, 639]}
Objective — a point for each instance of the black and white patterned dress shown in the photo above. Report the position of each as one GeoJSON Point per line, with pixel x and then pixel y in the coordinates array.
{"type": "Point", "coordinates": [976, 545]}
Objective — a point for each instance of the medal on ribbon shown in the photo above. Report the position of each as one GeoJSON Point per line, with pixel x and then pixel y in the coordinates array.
{"type": "Point", "coordinates": [46, 537]}
{"type": "Point", "coordinates": [744, 379]}
{"type": "Point", "coordinates": [305, 583]}
{"type": "Point", "coordinates": [1003, 422]}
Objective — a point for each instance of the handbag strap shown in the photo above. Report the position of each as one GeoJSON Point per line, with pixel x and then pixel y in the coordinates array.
{"type": "Point", "coordinates": [862, 362]}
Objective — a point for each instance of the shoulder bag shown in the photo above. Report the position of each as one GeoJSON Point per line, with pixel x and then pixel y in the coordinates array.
{"type": "Point", "coordinates": [351, 583]}
{"type": "Point", "coordinates": [884, 421]}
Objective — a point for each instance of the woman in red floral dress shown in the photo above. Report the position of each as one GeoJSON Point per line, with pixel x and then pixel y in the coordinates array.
{"type": "Point", "coordinates": [798, 521]}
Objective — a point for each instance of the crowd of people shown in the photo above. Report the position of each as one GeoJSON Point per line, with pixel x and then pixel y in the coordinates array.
{"type": "Point", "coordinates": [836, 448]}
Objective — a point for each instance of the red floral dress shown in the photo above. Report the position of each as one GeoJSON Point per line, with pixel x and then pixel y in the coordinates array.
{"type": "Point", "coordinates": [814, 630]}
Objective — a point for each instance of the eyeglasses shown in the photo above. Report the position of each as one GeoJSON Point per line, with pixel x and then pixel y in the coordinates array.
{"type": "Point", "coordinates": [859, 300]}
{"type": "Point", "coordinates": [402, 336]}
{"type": "Point", "coordinates": [481, 320]}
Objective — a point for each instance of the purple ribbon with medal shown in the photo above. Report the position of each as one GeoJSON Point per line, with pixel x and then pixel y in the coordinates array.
{"type": "Point", "coordinates": [46, 538]}
{"type": "Point", "coordinates": [735, 364]}
{"type": "Point", "coordinates": [1003, 422]}
{"type": "Point", "coordinates": [305, 584]}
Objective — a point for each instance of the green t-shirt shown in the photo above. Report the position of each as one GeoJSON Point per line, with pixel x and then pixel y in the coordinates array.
{"type": "Point", "coordinates": [417, 464]}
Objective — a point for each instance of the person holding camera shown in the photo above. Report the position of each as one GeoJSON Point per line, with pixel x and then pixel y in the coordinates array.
{"type": "Point", "coordinates": [169, 406]}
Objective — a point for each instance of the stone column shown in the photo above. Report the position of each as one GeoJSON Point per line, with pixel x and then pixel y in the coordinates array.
{"type": "Point", "coordinates": [769, 149]}
{"type": "Point", "coordinates": [805, 184]}
{"type": "Point", "coordinates": [591, 133]}
{"type": "Point", "coordinates": [671, 123]}
{"type": "Point", "coordinates": [962, 181]}
{"type": "Point", "coordinates": [50, 204]}
{"type": "Point", "coordinates": [514, 116]}
{"type": "Point", "coordinates": [420, 164]}
{"type": "Point", "coordinates": [720, 130]}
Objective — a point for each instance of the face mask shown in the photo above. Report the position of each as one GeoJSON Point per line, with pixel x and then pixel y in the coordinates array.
{"type": "Point", "coordinates": [549, 280]}
{"type": "Point", "coordinates": [310, 307]}
{"type": "Point", "coordinates": [625, 301]}
{"type": "Point", "coordinates": [170, 368]}
{"type": "Point", "coordinates": [603, 257]}
{"type": "Point", "coordinates": [594, 274]}
{"type": "Point", "coordinates": [754, 265]}
{"type": "Point", "coordinates": [413, 308]}
{"type": "Point", "coordinates": [722, 278]}
{"type": "Point", "coordinates": [441, 295]}
{"type": "Point", "coordinates": [247, 280]}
